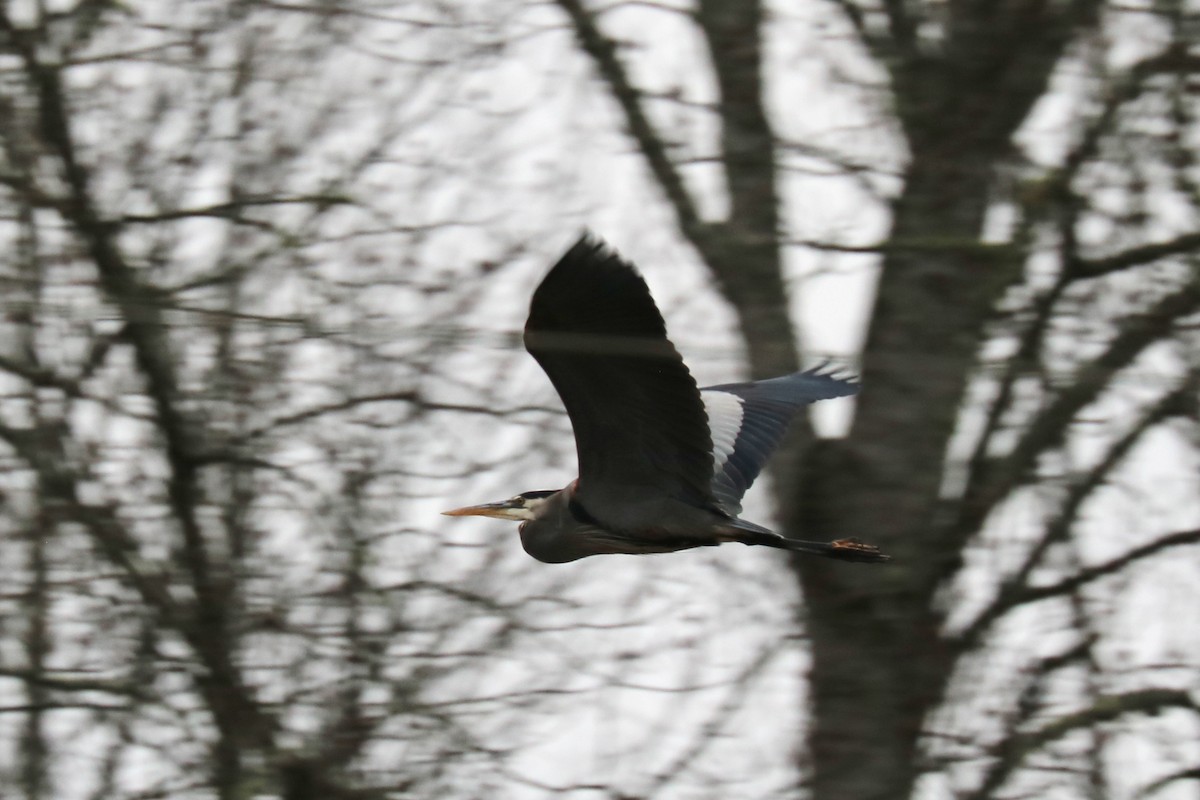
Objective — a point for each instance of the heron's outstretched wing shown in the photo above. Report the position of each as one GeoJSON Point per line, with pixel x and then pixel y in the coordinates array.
{"type": "Point", "coordinates": [640, 426]}
{"type": "Point", "coordinates": [748, 421]}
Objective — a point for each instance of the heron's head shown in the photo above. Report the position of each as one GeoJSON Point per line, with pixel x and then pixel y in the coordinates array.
{"type": "Point", "coordinates": [522, 508]}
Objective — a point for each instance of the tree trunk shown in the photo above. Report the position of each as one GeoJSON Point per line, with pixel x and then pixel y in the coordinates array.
{"type": "Point", "coordinates": [878, 663]}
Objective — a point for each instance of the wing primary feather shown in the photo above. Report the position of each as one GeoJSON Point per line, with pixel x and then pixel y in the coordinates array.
{"type": "Point", "coordinates": [640, 427]}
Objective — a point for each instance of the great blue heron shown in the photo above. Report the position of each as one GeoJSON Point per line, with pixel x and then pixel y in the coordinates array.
{"type": "Point", "coordinates": [663, 464]}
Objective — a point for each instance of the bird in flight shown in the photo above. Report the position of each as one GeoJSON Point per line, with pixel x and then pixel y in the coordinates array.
{"type": "Point", "coordinates": [663, 464]}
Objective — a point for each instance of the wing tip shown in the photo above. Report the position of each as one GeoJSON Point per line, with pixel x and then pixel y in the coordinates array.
{"type": "Point", "coordinates": [828, 368]}
{"type": "Point", "coordinates": [594, 279]}
{"type": "Point", "coordinates": [590, 245]}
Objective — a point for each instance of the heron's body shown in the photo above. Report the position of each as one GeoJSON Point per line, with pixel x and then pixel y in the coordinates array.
{"type": "Point", "coordinates": [663, 464]}
{"type": "Point", "coordinates": [564, 530]}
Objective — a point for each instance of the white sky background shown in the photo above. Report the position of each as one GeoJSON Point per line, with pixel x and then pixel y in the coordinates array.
{"type": "Point", "coordinates": [521, 148]}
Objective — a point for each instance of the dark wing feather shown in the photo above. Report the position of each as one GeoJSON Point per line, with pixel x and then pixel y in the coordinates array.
{"type": "Point", "coordinates": [754, 425]}
{"type": "Point", "coordinates": [640, 427]}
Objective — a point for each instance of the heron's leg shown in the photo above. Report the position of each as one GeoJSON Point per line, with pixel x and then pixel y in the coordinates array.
{"type": "Point", "coordinates": [842, 549]}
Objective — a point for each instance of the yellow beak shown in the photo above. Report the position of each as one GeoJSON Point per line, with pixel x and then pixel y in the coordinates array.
{"type": "Point", "coordinates": [498, 510]}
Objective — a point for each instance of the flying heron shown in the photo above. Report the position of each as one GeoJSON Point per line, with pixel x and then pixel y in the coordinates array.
{"type": "Point", "coordinates": [663, 464]}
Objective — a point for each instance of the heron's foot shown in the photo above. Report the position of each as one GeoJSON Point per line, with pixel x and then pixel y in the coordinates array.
{"type": "Point", "coordinates": [855, 550]}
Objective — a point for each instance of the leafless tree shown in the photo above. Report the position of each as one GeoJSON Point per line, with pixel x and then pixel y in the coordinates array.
{"type": "Point", "coordinates": [262, 266]}
{"type": "Point", "coordinates": [225, 323]}
{"type": "Point", "coordinates": [1029, 356]}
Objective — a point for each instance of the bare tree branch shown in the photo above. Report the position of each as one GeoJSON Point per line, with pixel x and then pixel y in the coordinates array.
{"type": "Point", "coordinates": [231, 210]}
{"type": "Point", "coordinates": [1082, 269]}
{"type": "Point", "coordinates": [38, 376]}
{"type": "Point", "coordinates": [1192, 774]}
{"type": "Point", "coordinates": [63, 683]}
{"type": "Point", "coordinates": [1092, 574]}
{"type": "Point", "coordinates": [1136, 333]}
{"type": "Point", "coordinates": [604, 52]}
{"type": "Point", "coordinates": [1107, 708]}
{"type": "Point", "coordinates": [1014, 590]}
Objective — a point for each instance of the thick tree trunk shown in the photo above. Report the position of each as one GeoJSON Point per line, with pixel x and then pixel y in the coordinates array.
{"type": "Point", "coordinates": [878, 663]}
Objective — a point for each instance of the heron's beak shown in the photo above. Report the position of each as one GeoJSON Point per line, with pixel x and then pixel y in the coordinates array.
{"type": "Point", "coordinates": [504, 510]}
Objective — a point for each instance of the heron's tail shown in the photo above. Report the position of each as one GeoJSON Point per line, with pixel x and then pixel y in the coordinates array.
{"type": "Point", "coordinates": [841, 549]}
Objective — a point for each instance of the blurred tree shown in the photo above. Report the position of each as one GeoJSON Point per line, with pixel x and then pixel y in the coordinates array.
{"type": "Point", "coordinates": [215, 364]}
{"type": "Point", "coordinates": [1020, 291]}
{"type": "Point", "coordinates": [244, 244]}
